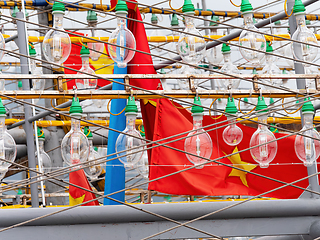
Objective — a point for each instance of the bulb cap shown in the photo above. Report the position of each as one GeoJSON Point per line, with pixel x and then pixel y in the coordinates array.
{"type": "Point", "coordinates": [197, 109]}
{"type": "Point", "coordinates": [87, 132]}
{"type": "Point", "coordinates": [307, 106]}
{"type": "Point", "coordinates": [174, 20]}
{"type": "Point", "coordinates": [246, 6]}
{"type": "Point", "coordinates": [269, 47]}
{"type": "Point", "coordinates": [3, 110]}
{"type": "Point", "coordinates": [214, 18]}
{"type": "Point", "coordinates": [143, 132]}
{"type": "Point", "coordinates": [75, 107]}
{"type": "Point", "coordinates": [231, 107]}
{"type": "Point", "coordinates": [40, 134]}
{"type": "Point", "coordinates": [154, 19]}
{"type": "Point", "coordinates": [188, 6]}
{"type": "Point", "coordinates": [131, 106]}
{"type": "Point", "coordinates": [32, 51]}
{"type": "Point", "coordinates": [121, 6]}
{"type": "Point", "coordinates": [225, 48]}
{"type": "Point", "coordinates": [84, 51]}
{"type": "Point", "coordinates": [58, 7]}
{"type": "Point", "coordinates": [20, 84]}
{"type": "Point", "coordinates": [261, 105]}
{"type": "Point", "coordinates": [92, 16]}
{"type": "Point", "coordinates": [298, 7]}
{"type": "Point", "coordinates": [14, 12]}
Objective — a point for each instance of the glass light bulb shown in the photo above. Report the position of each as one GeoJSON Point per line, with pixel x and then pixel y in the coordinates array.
{"type": "Point", "coordinates": [8, 148]}
{"type": "Point", "coordinates": [157, 33]}
{"type": "Point", "coordinates": [288, 53]}
{"type": "Point", "coordinates": [95, 48]}
{"type": "Point", "coordinates": [271, 68]}
{"type": "Point", "coordinates": [2, 83]}
{"type": "Point", "coordinates": [126, 143]}
{"type": "Point", "coordinates": [266, 153]}
{"type": "Point", "coordinates": [75, 146]}
{"type": "Point", "coordinates": [184, 83]}
{"type": "Point", "coordinates": [303, 51]}
{"type": "Point", "coordinates": [229, 68]}
{"type": "Point", "coordinates": [2, 46]}
{"type": "Point", "coordinates": [310, 83]}
{"type": "Point", "coordinates": [143, 165]}
{"type": "Point", "coordinates": [44, 160]}
{"type": "Point", "coordinates": [214, 55]}
{"type": "Point", "coordinates": [232, 135]}
{"type": "Point", "coordinates": [173, 46]}
{"type": "Point", "coordinates": [306, 148]}
{"type": "Point", "coordinates": [3, 171]}
{"type": "Point", "coordinates": [56, 45]}
{"type": "Point", "coordinates": [94, 170]}
{"type": "Point", "coordinates": [90, 83]}
{"type": "Point", "coordinates": [122, 37]}
{"type": "Point", "coordinates": [191, 49]}
{"type": "Point", "coordinates": [200, 144]}
{"type": "Point", "coordinates": [253, 40]}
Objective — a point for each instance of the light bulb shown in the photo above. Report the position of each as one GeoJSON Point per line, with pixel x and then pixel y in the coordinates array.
{"type": "Point", "coordinates": [173, 46]}
{"type": "Point", "coordinates": [75, 147]}
{"type": "Point", "coordinates": [122, 37]}
{"type": "Point", "coordinates": [265, 153]}
{"type": "Point", "coordinates": [184, 83]}
{"type": "Point", "coordinates": [232, 134]}
{"type": "Point", "coordinates": [288, 53]}
{"type": "Point", "coordinates": [143, 165]}
{"type": "Point", "coordinates": [56, 45]}
{"type": "Point", "coordinates": [3, 171]}
{"type": "Point", "coordinates": [271, 68]}
{"type": "Point", "coordinates": [96, 48]}
{"type": "Point", "coordinates": [125, 142]}
{"type": "Point", "coordinates": [94, 170]}
{"type": "Point", "coordinates": [191, 49]}
{"type": "Point", "coordinates": [156, 33]}
{"type": "Point", "coordinates": [304, 51]}
{"type": "Point", "coordinates": [198, 142]}
{"type": "Point", "coordinates": [306, 148]}
{"type": "Point", "coordinates": [2, 46]}
{"type": "Point", "coordinates": [44, 160]}
{"type": "Point", "coordinates": [88, 83]}
{"type": "Point", "coordinates": [214, 55]}
{"type": "Point", "coordinates": [229, 68]}
{"type": "Point", "coordinates": [2, 83]}
{"type": "Point", "coordinates": [252, 40]}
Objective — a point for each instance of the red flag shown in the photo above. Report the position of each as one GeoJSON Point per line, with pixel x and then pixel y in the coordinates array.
{"type": "Point", "coordinates": [78, 195]}
{"type": "Point", "coordinates": [216, 179]}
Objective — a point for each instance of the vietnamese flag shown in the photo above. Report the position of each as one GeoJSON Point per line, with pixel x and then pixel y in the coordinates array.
{"type": "Point", "coordinates": [78, 195]}
{"type": "Point", "coordinates": [214, 179]}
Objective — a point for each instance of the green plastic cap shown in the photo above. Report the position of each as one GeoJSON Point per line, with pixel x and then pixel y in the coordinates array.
{"type": "Point", "coordinates": [154, 19]}
{"type": "Point", "coordinates": [14, 12]}
{"type": "Point", "coordinates": [271, 101]}
{"type": "Point", "coordinates": [19, 191]}
{"type": "Point", "coordinates": [121, 6]}
{"type": "Point", "coordinates": [20, 84]}
{"type": "Point", "coordinates": [273, 129]}
{"type": "Point", "coordinates": [298, 7]}
{"type": "Point", "coordinates": [231, 107]}
{"type": "Point", "coordinates": [188, 6]}
{"type": "Point", "coordinates": [197, 109]}
{"type": "Point", "coordinates": [246, 6]}
{"type": "Point", "coordinates": [92, 16]}
{"type": "Point", "coordinates": [143, 134]}
{"type": "Point", "coordinates": [87, 132]}
{"type": "Point", "coordinates": [84, 51]}
{"type": "Point", "coordinates": [254, 20]}
{"type": "Point", "coordinates": [131, 106]}
{"type": "Point", "coordinates": [162, 71]}
{"type": "Point", "coordinates": [284, 71]}
{"type": "Point", "coordinates": [174, 20]}
{"type": "Point", "coordinates": [214, 18]}
{"type": "Point", "coordinates": [225, 48]}
{"type": "Point", "coordinates": [75, 106]}
{"type": "Point", "coordinates": [254, 71]}
{"type": "Point", "coordinates": [32, 51]}
{"type": "Point", "coordinates": [40, 134]}
{"type": "Point", "coordinates": [246, 100]}
{"type": "Point", "coordinates": [2, 109]}
{"type": "Point", "coordinates": [58, 7]}
{"type": "Point", "coordinates": [269, 47]}
{"type": "Point", "coordinates": [308, 22]}
{"type": "Point", "coordinates": [261, 105]}
{"type": "Point", "coordinates": [277, 22]}
{"type": "Point", "coordinates": [307, 106]}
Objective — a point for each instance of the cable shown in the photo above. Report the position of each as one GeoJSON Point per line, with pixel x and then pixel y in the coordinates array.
{"type": "Point", "coordinates": [210, 110]}
{"type": "Point", "coordinates": [240, 109]}
{"type": "Point", "coordinates": [285, 9]}
{"type": "Point", "coordinates": [235, 4]}
{"type": "Point", "coordinates": [108, 108]}
{"type": "Point", "coordinates": [290, 112]}
{"type": "Point", "coordinates": [173, 8]}
{"type": "Point", "coordinates": [179, 107]}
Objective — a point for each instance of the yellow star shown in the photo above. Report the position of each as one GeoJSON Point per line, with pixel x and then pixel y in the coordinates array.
{"type": "Point", "coordinates": [75, 201]}
{"type": "Point", "coordinates": [145, 101]}
{"type": "Point", "coordinates": [237, 162]}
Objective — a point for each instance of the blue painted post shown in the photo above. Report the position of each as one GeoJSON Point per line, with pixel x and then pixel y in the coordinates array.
{"type": "Point", "coordinates": [115, 171]}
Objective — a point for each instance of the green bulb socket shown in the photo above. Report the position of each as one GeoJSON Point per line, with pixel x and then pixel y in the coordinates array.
{"type": "Point", "coordinates": [143, 133]}
{"type": "Point", "coordinates": [121, 7]}
{"type": "Point", "coordinates": [214, 18]}
{"type": "Point", "coordinates": [154, 19]}
{"type": "Point", "coordinates": [261, 105]}
{"type": "Point", "coordinates": [269, 47]}
{"type": "Point", "coordinates": [197, 109]}
{"type": "Point", "coordinates": [84, 51]}
{"type": "Point", "coordinates": [231, 107]}
{"type": "Point", "coordinates": [188, 7]}
{"type": "Point", "coordinates": [174, 20]}
{"type": "Point", "coordinates": [19, 84]}
{"type": "Point", "coordinates": [131, 106]}
{"type": "Point", "coordinates": [87, 132]}
{"type": "Point", "coordinates": [40, 133]}
{"type": "Point", "coordinates": [307, 106]}
{"type": "Point", "coordinates": [3, 111]}
{"type": "Point", "coordinates": [225, 48]}
{"type": "Point", "coordinates": [32, 51]}
{"type": "Point", "coordinates": [91, 16]}
{"type": "Point", "coordinates": [246, 6]}
{"type": "Point", "coordinates": [298, 7]}
{"type": "Point", "coordinates": [58, 7]}
{"type": "Point", "coordinates": [75, 108]}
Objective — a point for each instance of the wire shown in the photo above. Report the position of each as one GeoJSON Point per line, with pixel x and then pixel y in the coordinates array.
{"type": "Point", "coordinates": [210, 110]}
{"type": "Point", "coordinates": [139, 127]}
{"type": "Point", "coordinates": [108, 109]}
{"type": "Point", "coordinates": [179, 107]}
{"type": "Point", "coordinates": [88, 132]}
{"type": "Point", "coordinates": [173, 8]}
{"type": "Point", "coordinates": [41, 134]}
{"type": "Point", "coordinates": [107, 10]}
{"type": "Point", "coordinates": [295, 111]}
{"type": "Point", "coordinates": [49, 2]}
{"type": "Point", "coordinates": [59, 109]}
{"type": "Point", "coordinates": [235, 4]}
{"type": "Point", "coordinates": [240, 109]}
{"type": "Point", "coordinates": [285, 9]}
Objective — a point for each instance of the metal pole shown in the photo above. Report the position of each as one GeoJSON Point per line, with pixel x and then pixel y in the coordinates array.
{"type": "Point", "coordinates": [23, 49]}
{"type": "Point", "coordinates": [206, 23]}
{"type": "Point", "coordinates": [301, 84]}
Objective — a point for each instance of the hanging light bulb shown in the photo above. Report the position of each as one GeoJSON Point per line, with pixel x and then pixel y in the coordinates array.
{"type": "Point", "coordinates": [75, 146]}
{"type": "Point", "coordinates": [125, 143]}
{"type": "Point", "coordinates": [229, 68]}
{"type": "Point", "coordinates": [191, 49]}
{"type": "Point", "coordinates": [265, 153]}
{"type": "Point", "coordinates": [2, 82]}
{"type": "Point", "coordinates": [303, 51]}
{"type": "Point", "coordinates": [156, 33]}
{"type": "Point", "coordinates": [122, 37]}
{"type": "Point", "coordinates": [94, 170]}
{"type": "Point", "coordinates": [306, 148]}
{"type": "Point", "coordinates": [279, 45]}
{"type": "Point", "coordinates": [143, 164]}
{"type": "Point", "coordinates": [37, 84]}
{"type": "Point", "coordinates": [232, 135]}
{"type": "Point", "coordinates": [90, 83]}
{"type": "Point", "coordinates": [271, 68]}
{"type": "Point", "coordinates": [44, 159]}
{"type": "Point", "coordinates": [56, 45]}
{"type": "Point", "coordinates": [214, 55]}
{"type": "Point", "coordinates": [96, 48]}
{"type": "Point", "coordinates": [173, 46]}
{"type": "Point", "coordinates": [252, 40]}
{"type": "Point", "coordinates": [198, 142]}
{"type": "Point", "coordinates": [8, 148]}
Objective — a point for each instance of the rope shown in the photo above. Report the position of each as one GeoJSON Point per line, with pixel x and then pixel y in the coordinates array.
{"type": "Point", "coordinates": [235, 4]}
{"type": "Point", "coordinates": [180, 107]}
{"type": "Point", "coordinates": [290, 112]}
{"type": "Point", "coordinates": [173, 8]}
{"type": "Point", "coordinates": [241, 111]}
{"type": "Point", "coordinates": [285, 9]}
{"type": "Point", "coordinates": [59, 109]}
{"type": "Point", "coordinates": [210, 110]}
{"type": "Point", "coordinates": [108, 109]}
